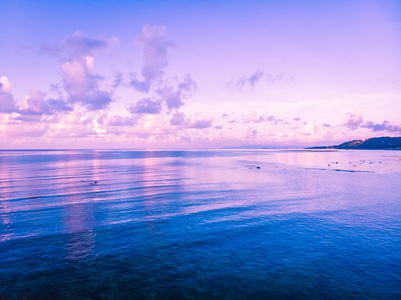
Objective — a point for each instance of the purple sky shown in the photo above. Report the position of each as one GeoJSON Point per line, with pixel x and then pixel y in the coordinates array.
{"type": "Point", "coordinates": [198, 74]}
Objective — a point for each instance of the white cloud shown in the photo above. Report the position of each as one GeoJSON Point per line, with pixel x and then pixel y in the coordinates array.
{"type": "Point", "coordinates": [5, 84]}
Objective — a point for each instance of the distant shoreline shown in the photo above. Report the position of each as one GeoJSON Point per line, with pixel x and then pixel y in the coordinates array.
{"type": "Point", "coordinates": [379, 143]}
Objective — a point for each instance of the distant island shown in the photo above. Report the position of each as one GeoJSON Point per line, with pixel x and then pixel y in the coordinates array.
{"type": "Point", "coordinates": [379, 143]}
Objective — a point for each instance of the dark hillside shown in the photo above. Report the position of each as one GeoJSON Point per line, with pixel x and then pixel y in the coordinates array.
{"type": "Point", "coordinates": [369, 144]}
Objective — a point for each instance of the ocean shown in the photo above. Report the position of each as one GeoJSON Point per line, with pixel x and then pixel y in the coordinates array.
{"type": "Point", "coordinates": [217, 224]}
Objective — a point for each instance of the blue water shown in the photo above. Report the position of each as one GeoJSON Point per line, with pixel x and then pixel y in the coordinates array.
{"type": "Point", "coordinates": [200, 224]}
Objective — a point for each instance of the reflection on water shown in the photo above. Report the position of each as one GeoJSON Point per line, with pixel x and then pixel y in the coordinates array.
{"type": "Point", "coordinates": [200, 224]}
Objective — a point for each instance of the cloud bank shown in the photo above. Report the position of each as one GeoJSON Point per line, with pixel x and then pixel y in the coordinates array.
{"type": "Point", "coordinates": [356, 120]}
{"type": "Point", "coordinates": [83, 102]}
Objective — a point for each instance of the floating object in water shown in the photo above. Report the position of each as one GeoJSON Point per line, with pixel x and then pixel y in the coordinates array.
{"type": "Point", "coordinates": [257, 167]}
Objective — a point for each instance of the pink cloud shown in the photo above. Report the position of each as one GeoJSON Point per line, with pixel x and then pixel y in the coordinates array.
{"type": "Point", "coordinates": [82, 86]}
{"type": "Point", "coordinates": [354, 120]}
{"type": "Point", "coordinates": [37, 104]}
{"type": "Point", "coordinates": [80, 83]}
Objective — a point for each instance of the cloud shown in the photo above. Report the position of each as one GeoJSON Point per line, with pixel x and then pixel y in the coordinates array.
{"type": "Point", "coordinates": [385, 126]}
{"type": "Point", "coordinates": [82, 86]}
{"type": "Point", "coordinates": [96, 100]}
{"type": "Point", "coordinates": [117, 120]}
{"type": "Point", "coordinates": [188, 86]}
{"type": "Point", "coordinates": [174, 97]}
{"type": "Point", "coordinates": [251, 133]}
{"type": "Point", "coordinates": [37, 104]}
{"type": "Point", "coordinates": [26, 132]}
{"type": "Point", "coordinates": [248, 80]}
{"type": "Point", "coordinates": [155, 50]}
{"type": "Point", "coordinates": [75, 100]}
{"type": "Point", "coordinates": [5, 84]}
{"type": "Point", "coordinates": [254, 78]}
{"type": "Point", "coordinates": [253, 117]}
{"type": "Point", "coordinates": [274, 120]}
{"type": "Point", "coordinates": [7, 103]}
{"type": "Point", "coordinates": [146, 106]}
{"type": "Point", "coordinates": [78, 45]}
{"type": "Point", "coordinates": [257, 77]}
{"type": "Point", "coordinates": [200, 124]}
{"type": "Point", "coordinates": [354, 120]}
{"type": "Point", "coordinates": [49, 49]}
{"type": "Point", "coordinates": [171, 97]}
{"type": "Point", "coordinates": [139, 85]}
{"type": "Point", "coordinates": [59, 105]}
{"type": "Point", "coordinates": [118, 80]}
{"type": "Point", "coordinates": [178, 119]}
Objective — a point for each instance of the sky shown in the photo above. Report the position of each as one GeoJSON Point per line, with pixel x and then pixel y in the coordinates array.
{"type": "Point", "coordinates": [198, 74]}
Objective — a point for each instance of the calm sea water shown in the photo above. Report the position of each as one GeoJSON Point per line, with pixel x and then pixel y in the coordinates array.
{"type": "Point", "coordinates": [200, 224]}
